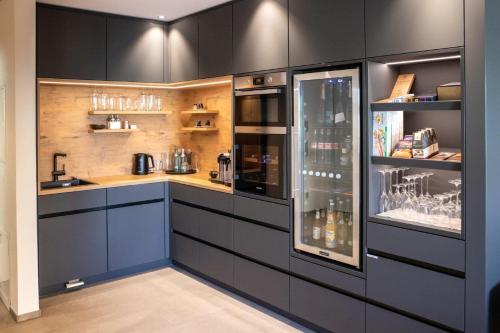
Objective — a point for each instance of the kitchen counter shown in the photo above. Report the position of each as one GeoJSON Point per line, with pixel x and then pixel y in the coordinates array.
{"type": "Point", "coordinates": [197, 179]}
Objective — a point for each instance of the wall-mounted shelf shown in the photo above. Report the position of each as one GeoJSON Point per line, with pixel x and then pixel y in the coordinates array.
{"type": "Point", "coordinates": [104, 131]}
{"type": "Point", "coordinates": [200, 129]}
{"type": "Point", "coordinates": [202, 112]}
{"type": "Point", "coordinates": [417, 163]}
{"type": "Point", "coordinates": [418, 106]}
{"type": "Point", "coordinates": [145, 113]}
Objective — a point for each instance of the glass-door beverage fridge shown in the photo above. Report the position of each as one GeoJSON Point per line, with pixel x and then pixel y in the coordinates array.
{"type": "Point", "coordinates": [326, 164]}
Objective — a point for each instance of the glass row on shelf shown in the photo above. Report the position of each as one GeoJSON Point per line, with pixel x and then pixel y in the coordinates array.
{"type": "Point", "coordinates": [407, 198]}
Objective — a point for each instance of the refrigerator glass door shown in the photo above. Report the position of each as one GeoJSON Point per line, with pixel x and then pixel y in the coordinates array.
{"type": "Point", "coordinates": [326, 164]}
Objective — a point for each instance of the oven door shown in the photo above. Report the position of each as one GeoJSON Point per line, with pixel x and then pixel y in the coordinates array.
{"type": "Point", "coordinates": [260, 164]}
{"type": "Point", "coordinates": [260, 107]}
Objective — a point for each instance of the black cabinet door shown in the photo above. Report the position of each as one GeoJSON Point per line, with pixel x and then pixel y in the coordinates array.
{"type": "Point", "coordinates": [136, 235]}
{"type": "Point", "coordinates": [70, 44]}
{"type": "Point", "coordinates": [71, 247]}
{"type": "Point", "coordinates": [216, 42]}
{"type": "Point", "coordinates": [402, 26]}
{"type": "Point", "coordinates": [260, 39]}
{"type": "Point", "coordinates": [135, 50]}
{"type": "Point", "coordinates": [183, 39]}
{"type": "Point", "coordinates": [326, 30]}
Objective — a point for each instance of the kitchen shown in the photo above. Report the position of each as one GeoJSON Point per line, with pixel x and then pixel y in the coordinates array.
{"type": "Point", "coordinates": [260, 155]}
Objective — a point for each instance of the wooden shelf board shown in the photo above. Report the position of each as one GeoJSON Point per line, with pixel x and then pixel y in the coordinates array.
{"type": "Point", "coordinates": [200, 129]}
{"type": "Point", "coordinates": [418, 106]}
{"type": "Point", "coordinates": [145, 113]}
{"type": "Point", "coordinates": [112, 131]}
{"type": "Point", "coordinates": [418, 163]}
{"type": "Point", "coordinates": [203, 112]}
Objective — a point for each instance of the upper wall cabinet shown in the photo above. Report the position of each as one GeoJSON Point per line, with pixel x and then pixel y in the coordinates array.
{"type": "Point", "coordinates": [183, 38]}
{"type": "Point", "coordinates": [260, 39]}
{"type": "Point", "coordinates": [70, 44]}
{"type": "Point", "coordinates": [325, 31]}
{"type": "Point", "coordinates": [394, 27]}
{"type": "Point", "coordinates": [216, 42]}
{"type": "Point", "coordinates": [135, 50]}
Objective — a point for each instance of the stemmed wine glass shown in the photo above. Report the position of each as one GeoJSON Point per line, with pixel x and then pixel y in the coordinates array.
{"type": "Point", "coordinates": [384, 198]}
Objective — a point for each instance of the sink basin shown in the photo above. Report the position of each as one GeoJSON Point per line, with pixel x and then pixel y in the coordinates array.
{"type": "Point", "coordinates": [65, 183]}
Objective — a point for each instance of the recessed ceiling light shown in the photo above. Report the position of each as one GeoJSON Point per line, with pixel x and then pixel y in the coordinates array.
{"type": "Point", "coordinates": [161, 17]}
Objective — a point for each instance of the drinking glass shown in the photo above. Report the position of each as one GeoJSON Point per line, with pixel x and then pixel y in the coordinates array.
{"type": "Point", "coordinates": [94, 101]}
{"type": "Point", "coordinates": [384, 199]}
{"type": "Point", "coordinates": [150, 102]}
{"type": "Point", "coordinates": [427, 175]}
{"type": "Point", "coordinates": [112, 103]}
{"type": "Point", "coordinates": [159, 104]}
{"type": "Point", "coordinates": [104, 102]}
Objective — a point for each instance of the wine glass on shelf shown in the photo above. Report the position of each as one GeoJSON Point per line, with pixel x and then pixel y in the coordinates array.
{"type": "Point", "coordinates": [427, 175]}
{"type": "Point", "coordinates": [384, 199]}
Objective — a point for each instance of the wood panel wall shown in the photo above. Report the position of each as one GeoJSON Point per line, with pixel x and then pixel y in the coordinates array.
{"type": "Point", "coordinates": [64, 122]}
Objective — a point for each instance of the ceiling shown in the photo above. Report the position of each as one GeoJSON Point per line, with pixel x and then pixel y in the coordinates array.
{"type": "Point", "coordinates": [171, 9]}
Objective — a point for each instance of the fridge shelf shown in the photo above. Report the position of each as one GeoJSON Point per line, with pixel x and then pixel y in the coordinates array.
{"type": "Point", "coordinates": [417, 163]}
{"type": "Point", "coordinates": [418, 106]}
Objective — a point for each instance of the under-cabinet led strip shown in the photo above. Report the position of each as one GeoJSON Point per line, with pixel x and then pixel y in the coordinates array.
{"type": "Point", "coordinates": [404, 62]}
{"type": "Point", "coordinates": [128, 85]}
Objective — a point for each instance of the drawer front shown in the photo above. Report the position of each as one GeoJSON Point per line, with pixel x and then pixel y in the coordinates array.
{"type": "Point", "coordinates": [185, 219]}
{"type": "Point", "coordinates": [262, 211]}
{"type": "Point", "coordinates": [136, 235]}
{"type": "Point", "coordinates": [185, 251]}
{"type": "Point", "coordinates": [323, 307]}
{"type": "Point", "coordinates": [379, 320]}
{"type": "Point", "coordinates": [217, 264]}
{"type": "Point", "coordinates": [436, 250]}
{"type": "Point", "coordinates": [135, 193]}
{"type": "Point", "coordinates": [263, 283]}
{"type": "Point", "coordinates": [72, 247]}
{"type": "Point", "coordinates": [202, 197]}
{"type": "Point", "coordinates": [264, 244]}
{"type": "Point", "coordinates": [66, 202]}
{"type": "Point", "coordinates": [435, 296]}
{"type": "Point", "coordinates": [216, 229]}
{"type": "Point", "coordinates": [328, 276]}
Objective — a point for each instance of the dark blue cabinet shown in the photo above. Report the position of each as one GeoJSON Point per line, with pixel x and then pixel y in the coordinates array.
{"type": "Point", "coordinates": [136, 235]}
{"type": "Point", "coordinates": [71, 247]}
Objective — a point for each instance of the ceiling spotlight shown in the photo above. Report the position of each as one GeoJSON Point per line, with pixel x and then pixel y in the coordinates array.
{"type": "Point", "coordinates": [161, 17]}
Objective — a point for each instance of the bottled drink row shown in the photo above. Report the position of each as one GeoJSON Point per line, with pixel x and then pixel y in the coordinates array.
{"type": "Point", "coordinates": [332, 226]}
{"type": "Point", "coordinates": [329, 147]}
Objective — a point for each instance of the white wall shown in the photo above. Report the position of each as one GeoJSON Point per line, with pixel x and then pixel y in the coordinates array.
{"type": "Point", "coordinates": [17, 74]}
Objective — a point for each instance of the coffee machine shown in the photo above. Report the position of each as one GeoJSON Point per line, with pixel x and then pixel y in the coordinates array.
{"type": "Point", "coordinates": [225, 174]}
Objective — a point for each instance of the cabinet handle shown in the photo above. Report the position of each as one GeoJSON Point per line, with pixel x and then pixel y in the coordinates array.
{"type": "Point", "coordinates": [371, 256]}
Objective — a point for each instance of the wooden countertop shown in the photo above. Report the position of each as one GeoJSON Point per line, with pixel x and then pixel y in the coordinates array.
{"type": "Point", "coordinates": [197, 179]}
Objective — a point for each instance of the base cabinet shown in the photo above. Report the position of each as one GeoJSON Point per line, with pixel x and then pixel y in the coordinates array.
{"type": "Point", "coordinates": [71, 247]}
{"type": "Point", "coordinates": [136, 235]}
{"type": "Point", "coordinates": [379, 320]}
{"type": "Point", "coordinates": [325, 308]}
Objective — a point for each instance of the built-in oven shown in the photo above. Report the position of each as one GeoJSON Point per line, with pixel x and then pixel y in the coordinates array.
{"type": "Point", "coordinates": [261, 135]}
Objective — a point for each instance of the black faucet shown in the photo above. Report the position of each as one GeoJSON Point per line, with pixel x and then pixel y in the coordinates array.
{"type": "Point", "coordinates": [56, 173]}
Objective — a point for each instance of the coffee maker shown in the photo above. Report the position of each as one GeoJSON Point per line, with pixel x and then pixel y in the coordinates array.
{"type": "Point", "coordinates": [225, 174]}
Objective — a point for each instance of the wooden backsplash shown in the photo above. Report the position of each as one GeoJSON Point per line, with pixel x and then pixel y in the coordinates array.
{"type": "Point", "coordinates": [64, 124]}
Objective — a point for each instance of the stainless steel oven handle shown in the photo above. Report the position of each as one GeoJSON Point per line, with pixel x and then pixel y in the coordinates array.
{"type": "Point", "coordinates": [257, 92]}
{"type": "Point", "coordinates": [260, 130]}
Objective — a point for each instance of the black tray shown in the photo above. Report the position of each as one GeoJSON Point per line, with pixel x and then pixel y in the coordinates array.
{"type": "Point", "coordinates": [216, 181]}
{"type": "Point", "coordinates": [175, 172]}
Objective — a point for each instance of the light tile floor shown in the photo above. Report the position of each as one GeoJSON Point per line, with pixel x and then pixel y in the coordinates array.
{"type": "Point", "coordinates": [167, 300]}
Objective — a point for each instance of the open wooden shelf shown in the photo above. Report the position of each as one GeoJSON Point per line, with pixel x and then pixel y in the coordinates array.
{"type": "Point", "coordinates": [200, 129]}
{"type": "Point", "coordinates": [104, 131]}
{"type": "Point", "coordinates": [145, 113]}
{"type": "Point", "coordinates": [418, 106]}
{"type": "Point", "coordinates": [201, 112]}
{"type": "Point", "coordinates": [418, 163]}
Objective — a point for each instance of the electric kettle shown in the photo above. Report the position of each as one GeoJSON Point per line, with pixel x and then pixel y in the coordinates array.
{"type": "Point", "coordinates": [141, 164]}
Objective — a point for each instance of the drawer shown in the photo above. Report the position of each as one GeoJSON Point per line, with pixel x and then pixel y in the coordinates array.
{"type": "Point", "coordinates": [185, 251]}
{"type": "Point", "coordinates": [267, 245]}
{"type": "Point", "coordinates": [66, 202]}
{"type": "Point", "coordinates": [436, 296]}
{"type": "Point", "coordinates": [216, 229]}
{"type": "Point", "coordinates": [260, 282]}
{"type": "Point", "coordinates": [135, 193]}
{"type": "Point", "coordinates": [436, 250]}
{"type": "Point", "coordinates": [202, 197]}
{"type": "Point", "coordinates": [328, 276]}
{"type": "Point", "coordinates": [325, 308]}
{"type": "Point", "coordinates": [216, 264]}
{"type": "Point", "coordinates": [262, 211]}
{"type": "Point", "coordinates": [379, 320]}
{"type": "Point", "coordinates": [185, 219]}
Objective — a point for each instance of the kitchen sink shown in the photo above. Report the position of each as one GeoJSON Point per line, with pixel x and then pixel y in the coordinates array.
{"type": "Point", "coordinates": [65, 183]}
